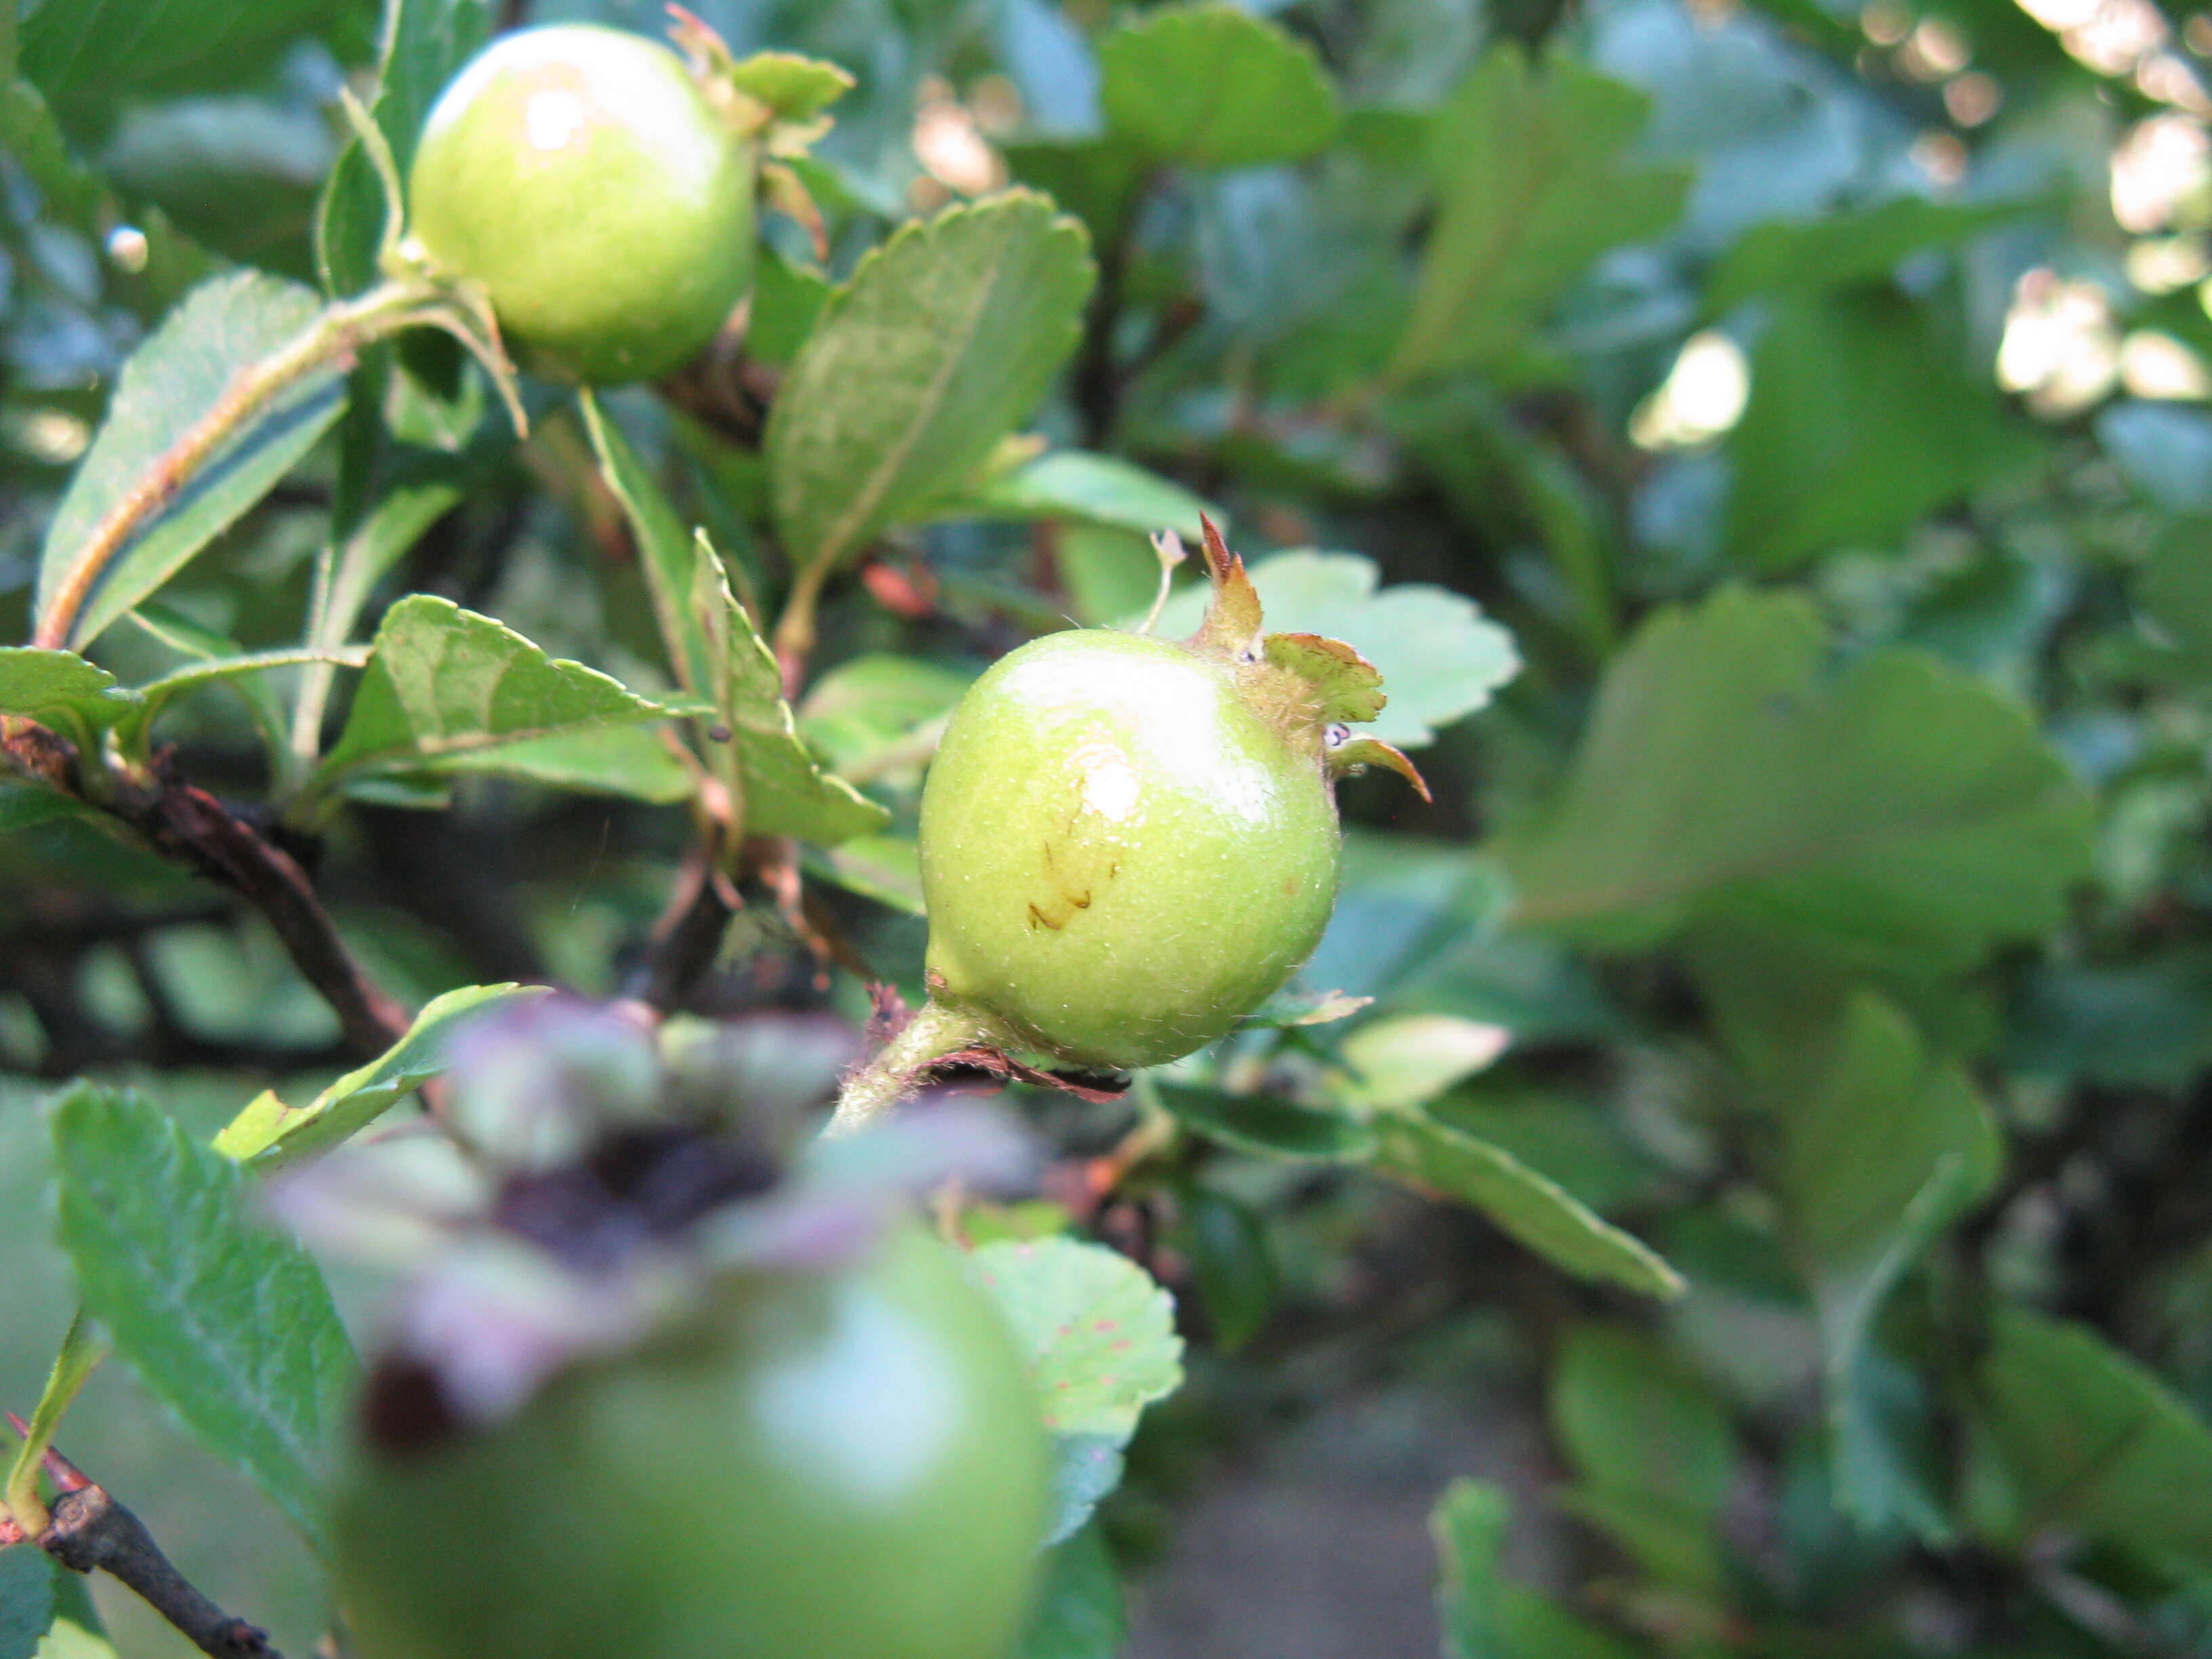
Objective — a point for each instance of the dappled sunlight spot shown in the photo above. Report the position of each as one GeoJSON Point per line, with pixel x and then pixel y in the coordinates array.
{"type": "Point", "coordinates": [2156, 365]}
{"type": "Point", "coordinates": [1972, 98]}
{"type": "Point", "coordinates": [1934, 52]}
{"type": "Point", "coordinates": [951, 146]}
{"type": "Point", "coordinates": [2166, 264]}
{"type": "Point", "coordinates": [1941, 157]}
{"type": "Point", "coordinates": [2060, 347]}
{"type": "Point", "coordinates": [2162, 175]}
{"type": "Point", "coordinates": [1702, 397]}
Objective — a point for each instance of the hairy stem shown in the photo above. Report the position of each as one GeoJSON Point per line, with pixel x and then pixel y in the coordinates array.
{"type": "Point", "coordinates": [892, 1075]}
{"type": "Point", "coordinates": [338, 332]}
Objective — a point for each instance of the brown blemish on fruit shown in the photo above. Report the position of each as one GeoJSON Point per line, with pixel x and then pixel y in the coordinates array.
{"type": "Point", "coordinates": [1038, 918]}
{"type": "Point", "coordinates": [1290, 886]}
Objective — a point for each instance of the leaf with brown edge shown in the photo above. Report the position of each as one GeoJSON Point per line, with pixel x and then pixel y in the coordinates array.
{"type": "Point", "coordinates": [1232, 618]}
{"type": "Point", "coordinates": [1373, 751]}
{"type": "Point", "coordinates": [1346, 684]}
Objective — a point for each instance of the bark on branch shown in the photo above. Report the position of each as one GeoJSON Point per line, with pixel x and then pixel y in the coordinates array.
{"type": "Point", "coordinates": [91, 1530]}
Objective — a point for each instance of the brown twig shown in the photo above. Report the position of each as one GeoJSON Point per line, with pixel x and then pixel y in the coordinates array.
{"type": "Point", "coordinates": [91, 1530]}
{"type": "Point", "coordinates": [186, 822]}
{"type": "Point", "coordinates": [686, 939]}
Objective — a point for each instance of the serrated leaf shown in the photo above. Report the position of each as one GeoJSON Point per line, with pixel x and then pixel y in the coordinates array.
{"type": "Point", "coordinates": [269, 1135]}
{"type": "Point", "coordinates": [172, 381]}
{"type": "Point", "coordinates": [764, 765]}
{"type": "Point", "coordinates": [1209, 86]}
{"type": "Point", "coordinates": [1391, 1064]}
{"type": "Point", "coordinates": [1532, 1207]}
{"type": "Point", "coordinates": [61, 691]}
{"type": "Point", "coordinates": [27, 1600]}
{"type": "Point", "coordinates": [1075, 483]}
{"type": "Point", "coordinates": [226, 1322]}
{"type": "Point", "coordinates": [425, 44]}
{"type": "Point", "coordinates": [1533, 185]}
{"type": "Point", "coordinates": [1901, 814]}
{"type": "Point", "coordinates": [2098, 1440]}
{"type": "Point", "coordinates": [793, 87]}
{"type": "Point", "coordinates": [1439, 656]}
{"type": "Point", "coordinates": [1859, 422]}
{"type": "Point", "coordinates": [448, 690]}
{"type": "Point", "coordinates": [1267, 1124]}
{"type": "Point", "coordinates": [1079, 1607]}
{"type": "Point", "coordinates": [1098, 1334]}
{"type": "Point", "coordinates": [945, 337]}
{"type": "Point", "coordinates": [668, 550]}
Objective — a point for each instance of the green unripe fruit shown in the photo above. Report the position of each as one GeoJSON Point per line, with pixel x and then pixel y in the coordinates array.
{"type": "Point", "coordinates": [840, 1466]}
{"type": "Point", "coordinates": [580, 175]}
{"type": "Point", "coordinates": [1122, 850]}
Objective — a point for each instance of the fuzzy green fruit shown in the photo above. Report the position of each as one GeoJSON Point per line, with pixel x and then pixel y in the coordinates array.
{"type": "Point", "coordinates": [580, 176]}
{"type": "Point", "coordinates": [1121, 854]}
{"type": "Point", "coordinates": [839, 1467]}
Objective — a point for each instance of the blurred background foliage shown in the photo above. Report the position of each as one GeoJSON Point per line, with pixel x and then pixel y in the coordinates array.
{"type": "Point", "coordinates": [1818, 398]}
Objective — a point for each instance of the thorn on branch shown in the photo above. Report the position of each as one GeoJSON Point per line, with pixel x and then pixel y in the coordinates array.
{"type": "Point", "coordinates": [91, 1530]}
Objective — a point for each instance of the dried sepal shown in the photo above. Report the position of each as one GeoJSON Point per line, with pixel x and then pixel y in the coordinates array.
{"type": "Point", "coordinates": [1350, 753]}
{"type": "Point", "coordinates": [1347, 686]}
{"type": "Point", "coordinates": [1232, 620]}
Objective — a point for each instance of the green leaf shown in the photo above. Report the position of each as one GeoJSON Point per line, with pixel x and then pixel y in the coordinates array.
{"type": "Point", "coordinates": [1439, 656]}
{"type": "Point", "coordinates": [782, 788]}
{"type": "Point", "coordinates": [269, 1133]}
{"type": "Point", "coordinates": [1408, 1060]}
{"type": "Point", "coordinates": [1268, 1125]}
{"type": "Point", "coordinates": [793, 87]}
{"type": "Point", "coordinates": [1209, 86]}
{"type": "Point", "coordinates": [2174, 589]}
{"type": "Point", "coordinates": [157, 695]}
{"type": "Point", "coordinates": [884, 868]}
{"type": "Point", "coordinates": [27, 1600]}
{"type": "Point", "coordinates": [226, 1322]}
{"type": "Point", "coordinates": [1901, 814]}
{"type": "Point", "coordinates": [448, 690]}
{"type": "Point", "coordinates": [1860, 421]}
{"type": "Point", "coordinates": [1233, 1269]}
{"type": "Point", "coordinates": [103, 48]}
{"type": "Point", "coordinates": [61, 691]}
{"type": "Point", "coordinates": [1838, 249]}
{"type": "Point", "coordinates": [25, 806]}
{"type": "Point", "coordinates": [945, 337]}
{"type": "Point", "coordinates": [2101, 1443]}
{"type": "Point", "coordinates": [1098, 1334]}
{"type": "Point", "coordinates": [1532, 186]}
{"type": "Point", "coordinates": [787, 302]}
{"type": "Point", "coordinates": [879, 713]}
{"type": "Point", "coordinates": [1532, 1207]}
{"type": "Point", "coordinates": [1653, 1447]}
{"type": "Point", "coordinates": [1078, 1609]}
{"type": "Point", "coordinates": [425, 44]}
{"type": "Point", "coordinates": [172, 381]}
{"type": "Point", "coordinates": [667, 549]}
{"type": "Point", "coordinates": [1075, 483]}
{"type": "Point", "coordinates": [1633, 1419]}
{"type": "Point", "coordinates": [1469, 1526]}
{"type": "Point", "coordinates": [1085, 1469]}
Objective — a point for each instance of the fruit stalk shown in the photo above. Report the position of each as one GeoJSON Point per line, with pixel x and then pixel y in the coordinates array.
{"type": "Point", "coordinates": [891, 1076]}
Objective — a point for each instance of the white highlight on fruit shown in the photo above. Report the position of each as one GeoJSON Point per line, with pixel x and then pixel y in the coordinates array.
{"type": "Point", "coordinates": [554, 119]}
{"type": "Point", "coordinates": [1110, 788]}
